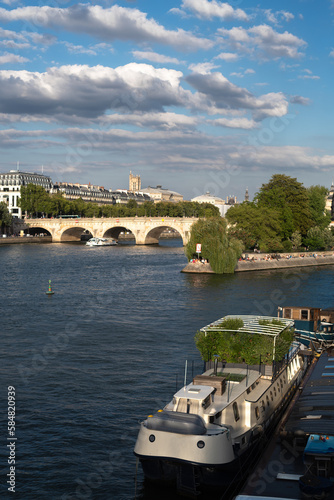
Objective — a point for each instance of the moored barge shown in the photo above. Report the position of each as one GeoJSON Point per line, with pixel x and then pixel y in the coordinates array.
{"type": "Point", "coordinates": [204, 435]}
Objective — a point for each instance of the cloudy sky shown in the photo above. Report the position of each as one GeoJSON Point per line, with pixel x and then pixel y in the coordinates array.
{"type": "Point", "coordinates": [195, 95]}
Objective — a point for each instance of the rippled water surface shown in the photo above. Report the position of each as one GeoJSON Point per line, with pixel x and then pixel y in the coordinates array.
{"type": "Point", "coordinates": [108, 348]}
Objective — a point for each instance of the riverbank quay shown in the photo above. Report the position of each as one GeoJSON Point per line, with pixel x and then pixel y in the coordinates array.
{"type": "Point", "coordinates": [276, 475]}
{"type": "Point", "coordinates": [14, 240]}
{"type": "Point", "coordinates": [198, 267]}
{"type": "Point", "coordinates": [262, 262]}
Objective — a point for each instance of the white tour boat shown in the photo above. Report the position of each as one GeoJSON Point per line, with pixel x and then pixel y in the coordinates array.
{"type": "Point", "coordinates": [203, 436]}
{"type": "Point", "coordinates": [101, 242]}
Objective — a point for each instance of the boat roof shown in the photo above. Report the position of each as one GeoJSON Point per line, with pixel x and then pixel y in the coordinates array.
{"type": "Point", "coordinates": [313, 412]}
{"type": "Point", "coordinates": [251, 324]}
{"type": "Point", "coordinates": [199, 392]}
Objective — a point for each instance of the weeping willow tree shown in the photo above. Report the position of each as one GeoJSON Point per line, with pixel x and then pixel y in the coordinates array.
{"type": "Point", "coordinates": [221, 251]}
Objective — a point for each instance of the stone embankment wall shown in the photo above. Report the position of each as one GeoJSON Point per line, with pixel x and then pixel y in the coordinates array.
{"type": "Point", "coordinates": [10, 240]}
{"type": "Point", "coordinates": [261, 262]}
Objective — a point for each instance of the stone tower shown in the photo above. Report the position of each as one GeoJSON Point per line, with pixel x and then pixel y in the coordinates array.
{"type": "Point", "coordinates": [134, 183]}
{"type": "Point", "coordinates": [246, 195]}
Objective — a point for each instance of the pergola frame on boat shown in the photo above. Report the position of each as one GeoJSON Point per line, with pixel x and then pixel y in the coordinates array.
{"type": "Point", "coordinates": [251, 325]}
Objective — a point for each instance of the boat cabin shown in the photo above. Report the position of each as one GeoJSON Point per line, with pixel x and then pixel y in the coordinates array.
{"type": "Point", "coordinates": [311, 319]}
{"type": "Point", "coordinates": [310, 314]}
{"type": "Point", "coordinates": [193, 399]}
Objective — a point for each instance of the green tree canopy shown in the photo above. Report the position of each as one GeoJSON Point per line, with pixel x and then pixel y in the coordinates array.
{"type": "Point", "coordinates": [6, 218]}
{"type": "Point", "coordinates": [317, 203]}
{"type": "Point", "coordinates": [290, 198]}
{"type": "Point", "coordinates": [221, 251]}
{"type": "Point", "coordinates": [282, 216]}
{"type": "Point", "coordinates": [34, 199]}
{"type": "Point", "coordinates": [256, 226]}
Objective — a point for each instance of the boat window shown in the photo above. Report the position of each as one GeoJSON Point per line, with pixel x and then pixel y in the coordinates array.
{"type": "Point", "coordinates": [271, 395]}
{"type": "Point", "coordinates": [304, 314]}
{"type": "Point", "coordinates": [267, 397]}
{"type": "Point", "coordinates": [287, 313]}
{"type": "Point", "coordinates": [243, 440]}
{"type": "Point", "coordinates": [206, 402]}
{"type": "Point", "coordinates": [218, 415]}
{"type": "Point", "coordinates": [257, 412]}
{"type": "Point", "coordinates": [236, 411]}
{"type": "Point", "coordinates": [278, 387]}
{"type": "Point", "coordinates": [263, 406]}
{"type": "Point", "coordinates": [275, 392]}
{"type": "Point", "coordinates": [281, 381]}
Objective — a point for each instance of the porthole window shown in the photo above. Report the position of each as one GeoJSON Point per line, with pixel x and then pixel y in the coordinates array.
{"type": "Point", "coordinates": [200, 444]}
{"type": "Point", "coordinates": [236, 411]}
{"type": "Point", "coordinates": [152, 438]}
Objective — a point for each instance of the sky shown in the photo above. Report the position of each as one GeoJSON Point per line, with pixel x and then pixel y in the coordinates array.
{"type": "Point", "coordinates": [194, 95]}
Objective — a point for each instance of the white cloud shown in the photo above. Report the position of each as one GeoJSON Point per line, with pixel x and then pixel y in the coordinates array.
{"type": "Point", "coordinates": [227, 56]}
{"type": "Point", "coordinates": [79, 49]}
{"type": "Point", "coordinates": [155, 57]}
{"type": "Point", "coordinates": [205, 9]}
{"type": "Point", "coordinates": [91, 91]}
{"type": "Point", "coordinates": [309, 75]}
{"type": "Point", "coordinates": [263, 41]}
{"type": "Point", "coordinates": [297, 99]}
{"type": "Point", "coordinates": [220, 95]}
{"type": "Point", "coordinates": [202, 68]}
{"type": "Point", "coordinates": [278, 16]}
{"type": "Point", "coordinates": [12, 58]}
{"type": "Point", "coordinates": [114, 23]}
{"type": "Point", "coordinates": [241, 123]}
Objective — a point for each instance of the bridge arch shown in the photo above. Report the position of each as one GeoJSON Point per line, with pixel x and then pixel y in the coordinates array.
{"type": "Point", "coordinates": [153, 235]}
{"type": "Point", "coordinates": [74, 233]}
{"type": "Point", "coordinates": [37, 231]}
{"type": "Point", "coordinates": [119, 233]}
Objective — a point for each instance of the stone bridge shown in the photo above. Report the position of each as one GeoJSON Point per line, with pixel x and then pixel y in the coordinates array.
{"type": "Point", "coordinates": [145, 230]}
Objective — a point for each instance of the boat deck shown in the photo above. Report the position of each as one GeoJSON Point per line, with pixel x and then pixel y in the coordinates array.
{"type": "Point", "coordinates": [280, 466]}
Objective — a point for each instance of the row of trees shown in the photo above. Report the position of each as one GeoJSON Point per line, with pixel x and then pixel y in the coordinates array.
{"type": "Point", "coordinates": [35, 201]}
{"type": "Point", "coordinates": [284, 216]}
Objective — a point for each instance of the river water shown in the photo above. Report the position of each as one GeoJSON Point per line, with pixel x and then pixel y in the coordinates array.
{"type": "Point", "coordinates": [107, 349]}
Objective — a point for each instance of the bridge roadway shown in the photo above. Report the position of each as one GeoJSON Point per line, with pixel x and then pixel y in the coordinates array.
{"type": "Point", "coordinates": [146, 230]}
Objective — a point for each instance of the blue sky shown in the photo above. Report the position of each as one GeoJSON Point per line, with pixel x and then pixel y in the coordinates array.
{"type": "Point", "coordinates": [194, 95]}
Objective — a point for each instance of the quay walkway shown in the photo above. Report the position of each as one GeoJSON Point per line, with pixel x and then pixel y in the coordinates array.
{"type": "Point", "coordinates": [262, 262]}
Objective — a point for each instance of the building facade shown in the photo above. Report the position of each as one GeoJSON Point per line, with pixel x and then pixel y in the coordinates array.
{"type": "Point", "coordinates": [134, 183]}
{"type": "Point", "coordinates": [161, 194]}
{"type": "Point", "coordinates": [222, 205]}
{"type": "Point", "coordinates": [10, 186]}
